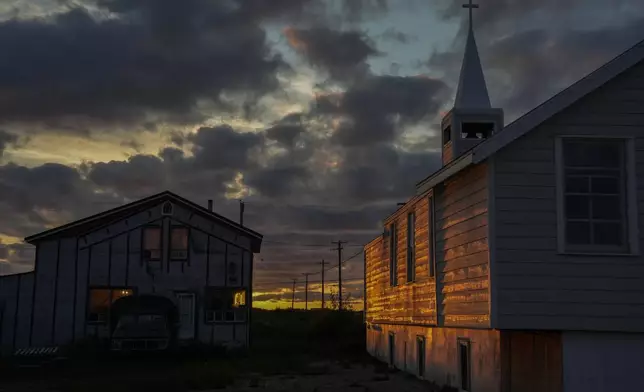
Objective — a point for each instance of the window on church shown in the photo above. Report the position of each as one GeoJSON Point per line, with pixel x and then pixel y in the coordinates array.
{"type": "Point", "coordinates": [476, 130]}
{"type": "Point", "coordinates": [447, 134]}
{"type": "Point", "coordinates": [393, 254]}
{"type": "Point", "coordinates": [594, 194]}
{"type": "Point", "coordinates": [464, 364]}
{"type": "Point", "coordinates": [411, 246]}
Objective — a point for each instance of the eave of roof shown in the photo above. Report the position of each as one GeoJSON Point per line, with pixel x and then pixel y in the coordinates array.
{"type": "Point", "coordinates": [157, 197]}
{"type": "Point", "coordinates": [537, 116]}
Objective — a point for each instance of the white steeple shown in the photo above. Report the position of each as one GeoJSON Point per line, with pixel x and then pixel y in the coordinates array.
{"type": "Point", "coordinates": [472, 90]}
{"type": "Point", "coordinates": [472, 119]}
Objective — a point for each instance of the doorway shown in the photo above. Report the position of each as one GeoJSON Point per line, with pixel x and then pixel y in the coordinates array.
{"type": "Point", "coordinates": [186, 308]}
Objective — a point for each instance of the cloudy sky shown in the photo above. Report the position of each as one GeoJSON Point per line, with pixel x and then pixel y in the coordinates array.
{"type": "Point", "coordinates": [320, 114]}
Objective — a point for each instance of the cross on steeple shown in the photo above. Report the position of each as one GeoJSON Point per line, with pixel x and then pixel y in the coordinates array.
{"type": "Point", "coordinates": [470, 6]}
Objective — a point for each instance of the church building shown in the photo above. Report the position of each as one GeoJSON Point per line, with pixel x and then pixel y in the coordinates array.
{"type": "Point", "coordinates": [517, 265]}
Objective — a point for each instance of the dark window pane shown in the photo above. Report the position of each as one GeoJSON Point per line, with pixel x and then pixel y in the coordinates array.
{"type": "Point", "coordinates": [578, 233]}
{"type": "Point", "coordinates": [606, 207]}
{"type": "Point", "coordinates": [608, 233]}
{"type": "Point", "coordinates": [592, 153]}
{"type": "Point", "coordinates": [577, 207]}
{"type": "Point", "coordinates": [152, 238]}
{"type": "Point", "coordinates": [605, 185]}
{"type": "Point", "coordinates": [179, 238]}
{"type": "Point", "coordinates": [576, 184]}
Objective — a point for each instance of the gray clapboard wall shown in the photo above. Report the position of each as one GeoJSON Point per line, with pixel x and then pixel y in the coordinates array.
{"type": "Point", "coordinates": [538, 288]}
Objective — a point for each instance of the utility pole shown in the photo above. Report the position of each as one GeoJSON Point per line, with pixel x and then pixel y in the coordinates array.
{"type": "Point", "coordinates": [339, 249]}
{"type": "Point", "coordinates": [241, 212]}
{"type": "Point", "coordinates": [306, 290]}
{"type": "Point", "coordinates": [323, 264]}
{"type": "Point", "coordinates": [293, 295]}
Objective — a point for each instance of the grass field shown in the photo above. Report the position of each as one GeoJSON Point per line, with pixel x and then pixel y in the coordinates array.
{"type": "Point", "coordinates": [290, 351]}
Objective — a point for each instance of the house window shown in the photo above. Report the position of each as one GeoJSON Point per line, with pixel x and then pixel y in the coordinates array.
{"type": "Point", "coordinates": [392, 349]}
{"type": "Point", "coordinates": [178, 243]}
{"type": "Point", "coordinates": [420, 355]}
{"type": "Point", "coordinates": [594, 195]}
{"type": "Point", "coordinates": [152, 243]}
{"type": "Point", "coordinates": [100, 302]}
{"type": "Point", "coordinates": [431, 238]}
{"type": "Point", "coordinates": [411, 246]}
{"type": "Point", "coordinates": [225, 305]}
{"type": "Point", "coordinates": [464, 364]}
{"type": "Point", "coordinates": [393, 264]}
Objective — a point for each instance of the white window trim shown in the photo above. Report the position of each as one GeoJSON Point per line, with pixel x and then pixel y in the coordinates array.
{"type": "Point", "coordinates": [631, 197]}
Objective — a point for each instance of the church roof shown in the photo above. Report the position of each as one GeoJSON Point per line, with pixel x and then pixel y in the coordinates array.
{"type": "Point", "coordinates": [538, 115]}
{"type": "Point", "coordinates": [472, 90]}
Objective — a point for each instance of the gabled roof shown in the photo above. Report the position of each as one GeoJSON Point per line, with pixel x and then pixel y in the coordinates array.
{"type": "Point", "coordinates": [538, 115]}
{"type": "Point", "coordinates": [87, 224]}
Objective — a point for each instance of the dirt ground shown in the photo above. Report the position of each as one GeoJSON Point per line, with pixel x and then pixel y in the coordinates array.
{"type": "Point", "coordinates": [321, 376]}
{"type": "Point", "coordinates": [335, 377]}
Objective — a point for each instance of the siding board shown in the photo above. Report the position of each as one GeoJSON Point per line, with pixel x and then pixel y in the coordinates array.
{"type": "Point", "coordinates": [535, 281]}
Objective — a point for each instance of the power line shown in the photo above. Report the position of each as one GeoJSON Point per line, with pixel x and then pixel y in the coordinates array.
{"type": "Point", "coordinates": [304, 245]}
{"type": "Point", "coordinates": [351, 280]}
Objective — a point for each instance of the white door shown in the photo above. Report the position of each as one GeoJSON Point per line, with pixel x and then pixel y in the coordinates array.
{"type": "Point", "coordinates": [186, 307]}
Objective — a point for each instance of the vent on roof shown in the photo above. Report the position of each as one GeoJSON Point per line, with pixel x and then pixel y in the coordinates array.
{"type": "Point", "coordinates": [167, 209]}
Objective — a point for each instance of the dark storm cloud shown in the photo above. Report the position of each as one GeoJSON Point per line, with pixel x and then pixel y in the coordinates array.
{"type": "Point", "coordinates": [6, 139]}
{"type": "Point", "coordinates": [343, 54]}
{"type": "Point", "coordinates": [383, 173]}
{"type": "Point", "coordinates": [33, 198]}
{"type": "Point", "coordinates": [287, 129]}
{"type": "Point", "coordinates": [526, 63]}
{"type": "Point", "coordinates": [153, 57]}
{"type": "Point", "coordinates": [373, 110]}
{"type": "Point", "coordinates": [224, 148]}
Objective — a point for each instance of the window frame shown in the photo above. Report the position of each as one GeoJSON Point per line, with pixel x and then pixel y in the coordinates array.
{"type": "Point", "coordinates": [242, 309]}
{"type": "Point", "coordinates": [393, 254]}
{"type": "Point", "coordinates": [143, 249]}
{"type": "Point", "coordinates": [464, 342]}
{"type": "Point", "coordinates": [431, 270]}
{"type": "Point", "coordinates": [170, 248]}
{"type": "Point", "coordinates": [630, 217]}
{"type": "Point", "coordinates": [109, 310]}
{"type": "Point", "coordinates": [391, 349]}
{"type": "Point", "coordinates": [421, 356]}
{"type": "Point", "coordinates": [411, 247]}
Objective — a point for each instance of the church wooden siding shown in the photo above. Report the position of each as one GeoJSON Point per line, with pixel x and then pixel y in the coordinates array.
{"type": "Point", "coordinates": [462, 257]}
{"type": "Point", "coordinates": [406, 303]}
{"type": "Point", "coordinates": [537, 287]}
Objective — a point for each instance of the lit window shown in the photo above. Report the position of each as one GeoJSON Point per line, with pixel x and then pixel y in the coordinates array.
{"type": "Point", "coordinates": [225, 305]}
{"type": "Point", "coordinates": [594, 194]}
{"type": "Point", "coordinates": [178, 243]}
{"type": "Point", "coordinates": [101, 300]}
{"type": "Point", "coordinates": [152, 243]}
